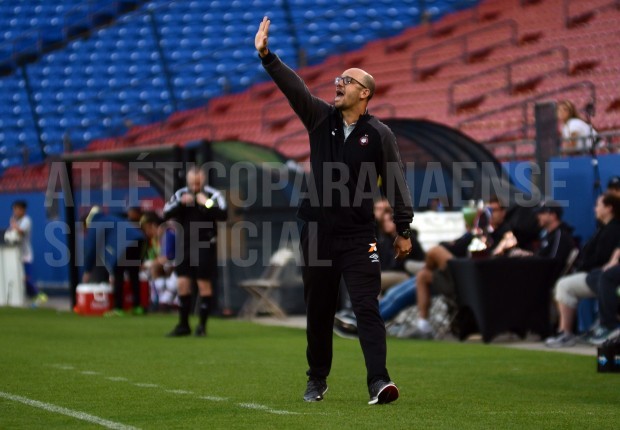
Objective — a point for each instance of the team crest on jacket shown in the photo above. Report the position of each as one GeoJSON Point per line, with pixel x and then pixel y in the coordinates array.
{"type": "Point", "coordinates": [364, 140]}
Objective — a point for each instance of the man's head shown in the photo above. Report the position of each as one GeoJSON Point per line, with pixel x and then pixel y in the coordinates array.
{"type": "Point", "coordinates": [149, 222]}
{"type": "Point", "coordinates": [354, 88]}
{"type": "Point", "coordinates": [498, 211]}
{"type": "Point", "coordinates": [549, 215]}
{"type": "Point", "coordinates": [134, 214]}
{"type": "Point", "coordinates": [607, 207]}
{"type": "Point", "coordinates": [19, 208]}
{"type": "Point", "coordinates": [196, 179]}
{"type": "Point", "coordinates": [613, 185]}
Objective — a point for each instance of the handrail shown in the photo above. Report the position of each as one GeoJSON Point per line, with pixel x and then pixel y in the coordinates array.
{"type": "Point", "coordinates": [569, 20]}
{"type": "Point", "coordinates": [391, 109]}
{"type": "Point", "coordinates": [611, 138]}
{"type": "Point", "coordinates": [523, 105]}
{"type": "Point", "coordinates": [464, 42]}
{"type": "Point", "coordinates": [268, 106]}
{"type": "Point", "coordinates": [475, 17]}
{"type": "Point", "coordinates": [507, 68]}
{"type": "Point", "coordinates": [283, 139]}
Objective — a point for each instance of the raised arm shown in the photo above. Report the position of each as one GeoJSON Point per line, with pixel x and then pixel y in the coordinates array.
{"type": "Point", "coordinates": [310, 109]}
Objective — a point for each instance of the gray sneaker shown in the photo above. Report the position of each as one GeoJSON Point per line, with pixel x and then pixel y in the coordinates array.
{"type": "Point", "coordinates": [602, 335]}
{"type": "Point", "coordinates": [562, 340]}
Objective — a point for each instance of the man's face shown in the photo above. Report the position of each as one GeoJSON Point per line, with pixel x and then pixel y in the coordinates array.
{"type": "Point", "coordinates": [600, 210]}
{"type": "Point", "coordinates": [348, 95]}
{"type": "Point", "coordinates": [498, 214]}
{"type": "Point", "coordinates": [18, 211]}
{"type": "Point", "coordinates": [544, 219]}
{"type": "Point", "coordinates": [150, 230]}
{"type": "Point", "coordinates": [195, 181]}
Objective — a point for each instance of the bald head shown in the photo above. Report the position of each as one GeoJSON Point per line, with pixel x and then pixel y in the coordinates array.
{"type": "Point", "coordinates": [362, 77]}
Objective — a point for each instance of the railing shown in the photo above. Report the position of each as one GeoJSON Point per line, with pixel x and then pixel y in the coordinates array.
{"type": "Point", "coordinates": [523, 106]}
{"type": "Point", "coordinates": [508, 74]}
{"type": "Point", "coordinates": [388, 108]}
{"type": "Point", "coordinates": [466, 53]}
{"type": "Point", "coordinates": [572, 19]}
{"type": "Point", "coordinates": [525, 149]}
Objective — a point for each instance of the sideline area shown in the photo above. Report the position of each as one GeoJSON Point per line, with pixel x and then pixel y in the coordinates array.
{"type": "Point", "coordinates": [299, 321]}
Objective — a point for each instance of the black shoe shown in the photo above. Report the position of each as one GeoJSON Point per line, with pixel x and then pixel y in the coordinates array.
{"type": "Point", "coordinates": [382, 392]}
{"type": "Point", "coordinates": [201, 331]}
{"type": "Point", "coordinates": [315, 390]}
{"type": "Point", "coordinates": [180, 330]}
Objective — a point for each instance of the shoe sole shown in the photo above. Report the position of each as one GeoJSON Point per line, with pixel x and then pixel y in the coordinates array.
{"type": "Point", "coordinates": [316, 399]}
{"type": "Point", "coordinates": [388, 394]}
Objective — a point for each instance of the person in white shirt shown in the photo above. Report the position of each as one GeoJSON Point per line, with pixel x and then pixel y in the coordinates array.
{"type": "Point", "coordinates": [577, 134]}
{"type": "Point", "coordinates": [21, 223]}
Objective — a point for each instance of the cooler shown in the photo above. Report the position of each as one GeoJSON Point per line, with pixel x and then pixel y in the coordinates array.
{"type": "Point", "coordinates": [93, 299]}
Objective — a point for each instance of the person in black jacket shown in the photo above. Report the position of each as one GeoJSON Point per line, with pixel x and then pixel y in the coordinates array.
{"type": "Point", "coordinates": [349, 151]}
{"type": "Point", "coordinates": [595, 254]}
{"type": "Point", "coordinates": [196, 207]}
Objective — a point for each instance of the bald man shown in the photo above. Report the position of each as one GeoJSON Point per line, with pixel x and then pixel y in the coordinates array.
{"type": "Point", "coordinates": [349, 150]}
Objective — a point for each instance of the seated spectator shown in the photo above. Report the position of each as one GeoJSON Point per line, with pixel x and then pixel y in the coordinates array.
{"type": "Point", "coordinates": [571, 288]}
{"type": "Point", "coordinates": [605, 283]}
{"type": "Point", "coordinates": [158, 261]}
{"type": "Point", "coordinates": [577, 135]}
{"type": "Point", "coordinates": [556, 237]}
{"type": "Point", "coordinates": [491, 222]}
{"type": "Point", "coordinates": [557, 243]}
{"type": "Point", "coordinates": [392, 269]}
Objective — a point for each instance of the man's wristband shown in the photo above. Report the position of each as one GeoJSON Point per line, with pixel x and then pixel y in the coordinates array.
{"type": "Point", "coordinates": [406, 233]}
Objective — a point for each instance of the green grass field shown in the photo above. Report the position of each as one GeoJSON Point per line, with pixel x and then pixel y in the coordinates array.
{"type": "Point", "coordinates": [60, 370]}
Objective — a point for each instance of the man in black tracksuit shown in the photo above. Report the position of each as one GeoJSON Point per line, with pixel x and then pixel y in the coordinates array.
{"type": "Point", "coordinates": [349, 151]}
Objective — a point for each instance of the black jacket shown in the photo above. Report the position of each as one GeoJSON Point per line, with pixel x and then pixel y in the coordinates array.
{"type": "Point", "coordinates": [369, 152]}
{"type": "Point", "coordinates": [197, 221]}
{"type": "Point", "coordinates": [600, 247]}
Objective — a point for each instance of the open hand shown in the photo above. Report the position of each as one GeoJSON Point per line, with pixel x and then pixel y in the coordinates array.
{"type": "Point", "coordinates": [262, 36]}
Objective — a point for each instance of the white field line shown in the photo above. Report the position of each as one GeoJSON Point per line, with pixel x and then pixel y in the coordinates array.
{"type": "Point", "coordinates": [254, 406]}
{"type": "Point", "coordinates": [69, 412]}
{"type": "Point", "coordinates": [266, 409]}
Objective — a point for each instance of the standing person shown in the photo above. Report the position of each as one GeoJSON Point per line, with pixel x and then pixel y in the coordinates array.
{"type": "Point", "coordinates": [121, 243]}
{"type": "Point", "coordinates": [196, 207]}
{"type": "Point", "coordinates": [21, 224]}
{"type": "Point", "coordinates": [577, 135]}
{"type": "Point", "coordinates": [337, 239]}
